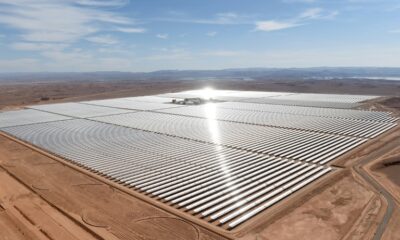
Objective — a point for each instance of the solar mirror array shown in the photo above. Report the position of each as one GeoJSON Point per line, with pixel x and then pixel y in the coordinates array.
{"type": "Point", "coordinates": [223, 162]}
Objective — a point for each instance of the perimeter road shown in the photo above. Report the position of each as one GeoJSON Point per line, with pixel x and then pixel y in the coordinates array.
{"type": "Point", "coordinates": [359, 169]}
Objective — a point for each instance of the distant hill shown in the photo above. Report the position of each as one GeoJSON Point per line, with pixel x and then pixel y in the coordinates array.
{"type": "Point", "coordinates": [322, 73]}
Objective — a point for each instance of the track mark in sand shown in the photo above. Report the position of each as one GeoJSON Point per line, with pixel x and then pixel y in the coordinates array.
{"type": "Point", "coordinates": [366, 221]}
{"type": "Point", "coordinates": [86, 184]}
{"type": "Point", "coordinates": [6, 165]}
{"type": "Point", "coordinates": [46, 234]}
{"type": "Point", "coordinates": [110, 191]}
{"type": "Point", "coordinates": [169, 227]}
{"type": "Point", "coordinates": [25, 215]}
{"type": "Point", "coordinates": [39, 187]}
{"type": "Point", "coordinates": [44, 163]}
{"type": "Point", "coordinates": [41, 184]}
{"type": "Point", "coordinates": [94, 219]}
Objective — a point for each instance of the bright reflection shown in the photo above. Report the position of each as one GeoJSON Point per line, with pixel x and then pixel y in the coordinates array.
{"type": "Point", "coordinates": [210, 110]}
{"type": "Point", "coordinates": [208, 93]}
{"type": "Point", "coordinates": [211, 113]}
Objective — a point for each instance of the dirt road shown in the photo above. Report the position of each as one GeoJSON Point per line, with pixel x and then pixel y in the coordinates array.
{"type": "Point", "coordinates": [388, 197]}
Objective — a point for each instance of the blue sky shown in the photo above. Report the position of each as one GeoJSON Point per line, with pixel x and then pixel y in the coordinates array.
{"type": "Point", "coordinates": [147, 35]}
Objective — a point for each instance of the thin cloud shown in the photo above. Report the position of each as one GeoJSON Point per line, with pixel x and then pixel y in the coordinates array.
{"type": "Point", "coordinates": [131, 30]}
{"type": "Point", "coordinates": [30, 46]}
{"type": "Point", "coordinates": [103, 3]}
{"type": "Point", "coordinates": [269, 26]}
{"type": "Point", "coordinates": [60, 21]}
{"type": "Point", "coordinates": [318, 13]}
{"type": "Point", "coordinates": [311, 14]}
{"type": "Point", "coordinates": [223, 53]}
{"type": "Point", "coordinates": [103, 39]}
{"type": "Point", "coordinates": [162, 36]}
{"type": "Point", "coordinates": [212, 34]}
{"type": "Point", "coordinates": [224, 18]}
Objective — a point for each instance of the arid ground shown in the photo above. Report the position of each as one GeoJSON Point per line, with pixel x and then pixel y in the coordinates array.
{"type": "Point", "coordinates": [44, 197]}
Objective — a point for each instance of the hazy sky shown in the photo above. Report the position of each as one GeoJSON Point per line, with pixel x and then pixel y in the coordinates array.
{"type": "Point", "coordinates": [146, 35]}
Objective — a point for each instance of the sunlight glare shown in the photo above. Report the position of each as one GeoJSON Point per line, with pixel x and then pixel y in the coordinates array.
{"type": "Point", "coordinates": [208, 93]}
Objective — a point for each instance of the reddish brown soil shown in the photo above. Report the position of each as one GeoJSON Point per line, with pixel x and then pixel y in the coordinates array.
{"type": "Point", "coordinates": [391, 169]}
{"type": "Point", "coordinates": [392, 102]}
{"type": "Point", "coordinates": [393, 230]}
{"type": "Point", "coordinates": [386, 171]}
{"type": "Point", "coordinates": [331, 214]}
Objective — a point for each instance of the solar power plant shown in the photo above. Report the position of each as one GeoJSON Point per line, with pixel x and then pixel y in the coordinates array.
{"type": "Point", "coordinates": [132, 104]}
{"type": "Point", "coordinates": [152, 99]}
{"type": "Point", "coordinates": [280, 98]}
{"type": "Point", "coordinates": [195, 176]}
{"type": "Point", "coordinates": [313, 123]}
{"type": "Point", "coordinates": [325, 97]}
{"type": "Point", "coordinates": [79, 110]}
{"type": "Point", "coordinates": [305, 103]}
{"type": "Point", "coordinates": [28, 116]}
{"type": "Point", "coordinates": [311, 111]}
{"type": "Point", "coordinates": [301, 145]}
{"type": "Point", "coordinates": [223, 162]}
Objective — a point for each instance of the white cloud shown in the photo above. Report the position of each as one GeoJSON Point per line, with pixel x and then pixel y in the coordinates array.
{"type": "Point", "coordinates": [318, 13]}
{"type": "Point", "coordinates": [113, 50]}
{"type": "Point", "coordinates": [225, 18]}
{"type": "Point", "coordinates": [103, 3]}
{"type": "Point", "coordinates": [29, 46]}
{"type": "Point", "coordinates": [212, 34]}
{"type": "Point", "coordinates": [269, 26]}
{"type": "Point", "coordinates": [223, 53]}
{"type": "Point", "coordinates": [75, 59]}
{"type": "Point", "coordinates": [162, 36]}
{"type": "Point", "coordinates": [395, 31]}
{"type": "Point", "coordinates": [311, 14]}
{"type": "Point", "coordinates": [62, 21]}
{"type": "Point", "coordinates": [103, 39]}
{"type": "Point", "coordinates": [131, 30]}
